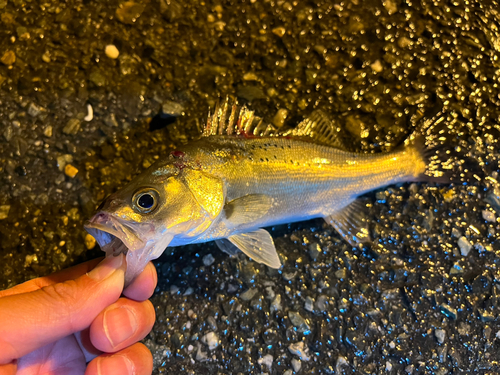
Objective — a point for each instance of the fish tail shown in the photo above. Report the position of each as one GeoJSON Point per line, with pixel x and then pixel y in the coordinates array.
{"type": "Point", "coordinates": [432, 153]}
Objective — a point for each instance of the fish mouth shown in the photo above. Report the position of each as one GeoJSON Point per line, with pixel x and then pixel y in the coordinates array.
{"type": "Point", "coordinates": [115, 236]}
{"type": "Point", "coordinates": [141, 242]}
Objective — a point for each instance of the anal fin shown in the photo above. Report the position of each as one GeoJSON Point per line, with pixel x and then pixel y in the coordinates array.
{"type": "Point", "coordinates": [351, 223]}
{"type": "Point", "coordinates": [257, 245]}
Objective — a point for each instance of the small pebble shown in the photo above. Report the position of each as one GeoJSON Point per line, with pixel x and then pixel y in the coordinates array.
{"type": "Point", "coordinates": [391, 6]}
{"type": "Point", "coordinates": [296, 364]}
{"type": "Point", "coordinates": [8, 58]}
{"type": "Point", "coordinates": [4, 211]}
{"type": "Point", "coordinates": [280, 117]}
{"type": "Point", "coordinates": [211, 339]}
{"type": "Point", "coordinates": [267, 361]}
{"type": "Point", "coordinates": [440, 335]}
{"type": "Point", "coordinates": [171, 108]}
{"type": "Point", "coordinates": [489, 216]}
{"type": "Point", "coordinates": [276, 303]}
{"type": "Point", "coordinates": [321, 303]}
{"type": "Point", "coordinates": [48, 131]}
{"type": "Point", "coordinates": [270, 293]}
{"type": "Point", "coordinates": [129, 11]}
{"type": "Point", "coordinates": [309, 304]}
{"type": "Point", "coordinates": [464, 246]}
{"type": "Point", "coordinates": [63, 160]}
{"type": "Point", "coordinates": [249, 294]}
{"type": "Point", "coordinates": [388, 366]}
{"type": "Point", "coordinates": [299, 322]}
{"type": "Point", "coordinates": [208, 260]}
{"type": "Point", "coordinates": [34, 110]}
{"type": "Point", "coordinates": [70, 171]}
{"type": "Point", "coordinates": [299, 350]}
{"type": "Point", "coordinates": [111, 51]}
{"type": "Point", "coordinates": [46, 57]}
{"type": "Point", "coordinates": [289, 275]}
{"type": "Point", "coordinates": [90, 113]}
{"type": "Point", "coordinates": [250, 77]}
{"type": "Point", "coordinates": [341, 274]}
{"type": "Point", "coordinates": [314, 250]}
{"type": "Point", "coordinates": [174, 289]}
{"type": "Point", "coordinates": [90, 242]}
{"type": "Point", "coordinates": [279, 31]}
{"type": "Point", "coordinates": [200, 355]}
{"type": "Point", "coordinates": [72, 127]}
{"type": "Point", "coordinates": [456, 233]}
{"type": "Point", "coordinates": [30, 258]}
{"type": "Point", "coordinates": [377, 66]}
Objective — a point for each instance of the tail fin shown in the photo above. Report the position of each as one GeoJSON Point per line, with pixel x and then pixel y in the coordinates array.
{"type": "Point", "coordinates": [435, 144]}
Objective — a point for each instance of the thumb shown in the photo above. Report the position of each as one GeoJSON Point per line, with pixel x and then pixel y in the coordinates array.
{"type": "Point", "coordinates": [31, 320]}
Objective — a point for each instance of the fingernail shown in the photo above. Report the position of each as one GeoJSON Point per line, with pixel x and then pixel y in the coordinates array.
{"type": "Point", "coordinates": [106, 268]}
{"type": "Point", "coordinates": [115, 365]}
{"type": "Point", "coordinates": [120, 324]}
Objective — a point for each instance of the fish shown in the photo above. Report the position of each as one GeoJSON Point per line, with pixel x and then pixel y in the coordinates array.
{"type": "Point", "coordinates": [242, 176]}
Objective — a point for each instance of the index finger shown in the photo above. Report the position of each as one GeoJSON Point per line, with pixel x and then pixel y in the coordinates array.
{"type": "Point", "coordinates": [58, 277]}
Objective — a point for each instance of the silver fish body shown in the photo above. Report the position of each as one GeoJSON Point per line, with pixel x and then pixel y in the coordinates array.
{"type": "Point", "coordinates": [233, 182]}
{"type": "Point", "coordinates": [302, 180]}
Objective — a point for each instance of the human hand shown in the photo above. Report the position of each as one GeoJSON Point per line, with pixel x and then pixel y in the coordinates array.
{"type": "Point", "coordinates": [74, 322]}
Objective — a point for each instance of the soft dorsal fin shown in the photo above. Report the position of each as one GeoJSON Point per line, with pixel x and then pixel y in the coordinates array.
{"type": "Point", "coordinates": [228, 119]}
{"type": "Point", "coordinates": [257, 245]}
{"type": "Point", "coordinates": [321, 129]}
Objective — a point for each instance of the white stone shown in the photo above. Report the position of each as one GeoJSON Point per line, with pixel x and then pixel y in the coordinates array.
{"type": "Point", "coordinates": [440, 335]}
{"type": "Point", "coordinates": [111, 51]}
{"type": "Point", "coordinates": [464, 246]}
{"type": "Point", "coordinates": [267, 360]}
{"type": "Point", "coordinates": [211, 339]}
{"type": "Point", "coordinates": [296, 364]}
{"type": "Point", "coordinates": [299, 350]}
{"type": "Point", "coordinates": [489, 216]}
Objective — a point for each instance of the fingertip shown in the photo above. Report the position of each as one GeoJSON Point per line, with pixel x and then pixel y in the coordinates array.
{"type": "Point", "coordinates": [144, 284]}
{"type": "Point", "coordinates": [122, 324]}
{"type": "Point", "coordinates": [136, 360]}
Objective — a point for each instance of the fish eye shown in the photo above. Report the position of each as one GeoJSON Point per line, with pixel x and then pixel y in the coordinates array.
{"type": "Point", "coordinates": [145, 200]}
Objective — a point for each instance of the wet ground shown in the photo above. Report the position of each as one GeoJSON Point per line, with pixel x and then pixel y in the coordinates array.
{"type": "Point", "coordinates": [91, 92]}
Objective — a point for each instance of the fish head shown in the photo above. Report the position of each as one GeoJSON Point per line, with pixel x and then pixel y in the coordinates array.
{"type": "Point", "coordinates": [142, 218]}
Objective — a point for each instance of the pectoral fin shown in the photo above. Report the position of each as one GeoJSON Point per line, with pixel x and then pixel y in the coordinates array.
{"type": "Point", "coordinates": [247, 209]}
{"type": "Point", "coordinates": [351, 224]}
{"type": "Point", "coordinates": [257, 245]}
{"type": "Point", "coordinates": [226, 246]}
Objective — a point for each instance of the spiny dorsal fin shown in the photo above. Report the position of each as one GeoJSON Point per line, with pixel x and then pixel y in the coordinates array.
{"type": "Point", "coordinates": [228, 119]}
{"type": "Point", "coordinates": [321, 129]}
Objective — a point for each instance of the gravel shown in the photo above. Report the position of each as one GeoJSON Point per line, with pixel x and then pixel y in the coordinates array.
{"type": "Point", "coordinates": [378, 69]}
